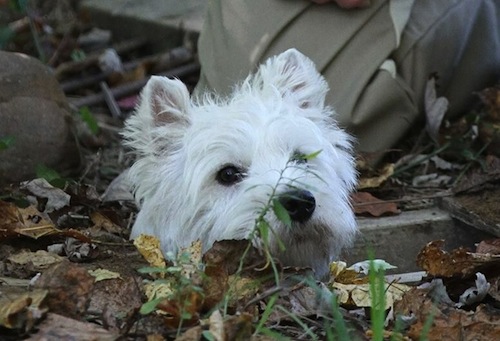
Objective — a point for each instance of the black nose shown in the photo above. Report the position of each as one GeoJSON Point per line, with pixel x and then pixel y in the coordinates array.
{"type": "Point", "coordinates": [300, 204]}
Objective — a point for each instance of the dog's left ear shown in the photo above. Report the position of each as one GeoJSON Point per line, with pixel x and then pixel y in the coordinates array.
{"type": "Point", "coordinates": [296, 78]}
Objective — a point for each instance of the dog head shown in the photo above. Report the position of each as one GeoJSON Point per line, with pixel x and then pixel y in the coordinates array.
{"type": "Point", "coordinates": [207, 168]}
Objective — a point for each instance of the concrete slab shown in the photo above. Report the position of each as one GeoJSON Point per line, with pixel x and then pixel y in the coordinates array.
{"type": "Point", "coordinates": [399, 239]}
{"type": "Point", "coordinates": [163, 22]}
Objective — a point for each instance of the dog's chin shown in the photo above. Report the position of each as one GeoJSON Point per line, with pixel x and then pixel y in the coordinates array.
{"type": "Point", "coordinates": [307, 245]}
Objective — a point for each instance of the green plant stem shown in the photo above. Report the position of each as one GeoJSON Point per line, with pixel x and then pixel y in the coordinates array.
{"type": "Point", "coordinates": [297, 320]}
{"type": "Point", "coordinates": [427, 157]}
{"type": "Point", "coordinates": [377, 294]}
{"type": "Point", "coordinates": [469, 165]}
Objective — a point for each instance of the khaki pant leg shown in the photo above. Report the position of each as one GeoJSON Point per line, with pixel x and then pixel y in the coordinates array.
{"type": "Point", "coordinates": [349, 47]}
{"type": "Point", "coordinates": [459, 41]}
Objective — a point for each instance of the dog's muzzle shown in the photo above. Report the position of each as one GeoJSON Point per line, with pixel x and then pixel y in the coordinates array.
{"type": "Point", "coordinates": [300, 204]}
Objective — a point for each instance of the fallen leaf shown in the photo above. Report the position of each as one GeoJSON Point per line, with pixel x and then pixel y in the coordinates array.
{"type": "Point", "coordinates": [101, 222]}
{"type": "Point", "coordinates": [435, 109]}
{"type": "Point", "coordinates": [475, 294]}
{"type": "Point", "coordinates": [103, 274]}
{"type": "Point", "coordinates": [447, 322]}
{"type": "Point", "coordinates": [56, 197]}
{"type": "Point", "coordinates": [378, 264]}
{"type": "Point", "coordinates": [457, 263]}
{"type": "Point", "coordinates": [491, 246]}
{"type": "Point", "coordinates": [119, 189]}
{"type": "Point", "coordinates": [376, 181]}
{"type": "Point", "coordinates": [69, 286]}
{"type": "Point", "coordinates": [358, 295]}
{"type": "Point", "coordinates": [149, 248]}
{"type": "Point", "coordinates": [116, 300]}
{"type": "Point", "coordinates": [79, 251]}
{"type": "Point", "coordinates": [40, 259]}
{"type": "Point", "coordinates": [29, 222]}
{"type": "Point", "coordinates": [57, 327]}
{"type": "Point", "coordinates": [23, 311]}
{"type": "Point", "coordinates": [491, 98]}
{"type": "Point", "coordinates": [479, 177]}
{"type": "Point", "coordinates": [431, 180]}
{"type": "Point", "coordinates": [366, 204]}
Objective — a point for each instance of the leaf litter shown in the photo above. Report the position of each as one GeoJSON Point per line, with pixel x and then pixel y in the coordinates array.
{"type": "Point", "coordinates": [88, 285]}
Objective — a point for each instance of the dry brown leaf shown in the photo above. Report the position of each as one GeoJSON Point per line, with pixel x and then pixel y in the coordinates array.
{"type": "Point", "coordinates": [373, 182]}
{"type": "Point", "coordinates": [27, 222]}
{"type": "Point", "coordinates": [40, 259]}
{"type": "Point", "coordinates": [69, 286]}
{"type": "Point", "coordinates": [103, 274]}
{"type": "Point", "coordinates": [448, 323]}
{"type": "Point", "coordinates": [56, 197]}
{"type": "Point", "coordinates": [491, 98]}
{"type": "Point", "coordinates": [341, 274]}
{"type": "Point", "coordinates": [101, 222]}
{"type": "Point", "coordinates": [116, 300]}
{"type": "Point", "coordinates": [456, 263]}
{"type": "Point", "coordinates": [22, 311]}
{"type": "Point", "coordinates": [57, 327]}
{"type": "Point", "coordinates": [358, 295]}
{"type": "Point", "coordinates": [366, 204]}
{"type": "Point", "coordinates": [149, 248]}
{"type": "Point", "coordinates": [491, 246]}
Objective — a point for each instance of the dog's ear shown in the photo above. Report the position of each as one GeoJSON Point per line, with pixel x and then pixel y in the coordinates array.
{"type": "Point", "coordinates": [167, 100]}
{"type": "Point", "coordinates": [295, 77]}
{"type": "Point", "coordinates": [161, 118]}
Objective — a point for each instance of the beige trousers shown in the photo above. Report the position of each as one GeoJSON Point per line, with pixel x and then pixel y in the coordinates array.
{"type": "Point", "coordinates": [376, 60]}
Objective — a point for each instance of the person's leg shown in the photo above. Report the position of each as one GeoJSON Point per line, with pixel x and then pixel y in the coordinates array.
{"type": "Point", "coordinates": [348, 47]}
{"type": "Point", "coordinates": [459, 41]}
{"type": "Point", "coordinates": [377, 99]}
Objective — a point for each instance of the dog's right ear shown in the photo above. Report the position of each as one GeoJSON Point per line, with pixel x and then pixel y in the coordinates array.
{"type": "Point", "coordinates": [167, 100]}
{"type": "Point", "coordinates": [161, 118]}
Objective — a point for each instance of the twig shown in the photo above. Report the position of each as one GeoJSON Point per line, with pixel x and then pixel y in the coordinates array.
{"type": "Point", "coordinates": [419, 162]}
{"type": "Point", "coordinates": [160, 63]}
{"type": "Point", "coordinates": [110, 101]}
{"type": "Point", "coordinates": [92, 59]}
{"type": "Point", "coordinates": [129, 88]}
{"type": "Point", "coordinates": [265, 294]}
{"type": "Point", "coordinates": [425, 197]}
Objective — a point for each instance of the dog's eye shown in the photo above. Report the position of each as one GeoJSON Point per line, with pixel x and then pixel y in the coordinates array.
{"type": "Point", "coordinates": [229, 175]}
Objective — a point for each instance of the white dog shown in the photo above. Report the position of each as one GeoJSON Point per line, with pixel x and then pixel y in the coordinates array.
{"type": "Point", "coordinates": [206, 167]}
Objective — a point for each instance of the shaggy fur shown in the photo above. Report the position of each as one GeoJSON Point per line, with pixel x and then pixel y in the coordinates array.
{"type": "Point", "coordinates": [184, 145]}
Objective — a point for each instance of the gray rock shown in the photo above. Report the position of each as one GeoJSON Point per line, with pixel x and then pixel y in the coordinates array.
{"type": "Point", "coordinates": [34, 111]}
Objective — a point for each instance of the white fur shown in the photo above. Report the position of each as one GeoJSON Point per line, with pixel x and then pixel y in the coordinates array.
{"type": "Point", "coordinates": [181, 144]}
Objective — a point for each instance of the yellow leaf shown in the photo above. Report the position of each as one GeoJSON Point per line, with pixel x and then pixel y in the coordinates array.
{"type": "Point", "coordinates": [103, 274]}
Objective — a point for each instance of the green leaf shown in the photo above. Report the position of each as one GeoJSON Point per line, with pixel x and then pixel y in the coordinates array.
{"type": "Point", "coordinates": [18, 5]}
{"type": "Point", "coordinates": [89, 119]}
{"type": "Point", "coordinates": [281, 213]}
{"type": "Point", "coordinates": [153, 270]}
{"type": "Point", "coordinates": [272, 334]}
{"type": "Point", "coordinates": [6, 142]}
{"type": "Point", "coordinates": [263, 228]}
{"type": "Point", "coordinates": [312, 155]}
{"type": "Point", "coordinates": [186, 315]}
{"type": "Point", "coordinates": [150, 306]}
{"type": "Point", "coordinates": [77, 55]}
{"type": "Point", "coordinates": [207, 334]}
{"type": "Point", "coordinates": [46, 173]}
{"type": "Point", "coordinates": [6, 35]}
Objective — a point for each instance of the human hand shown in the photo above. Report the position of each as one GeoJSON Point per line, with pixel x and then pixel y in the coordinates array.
{"type": "Point", "coordinates": [345, 3]}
